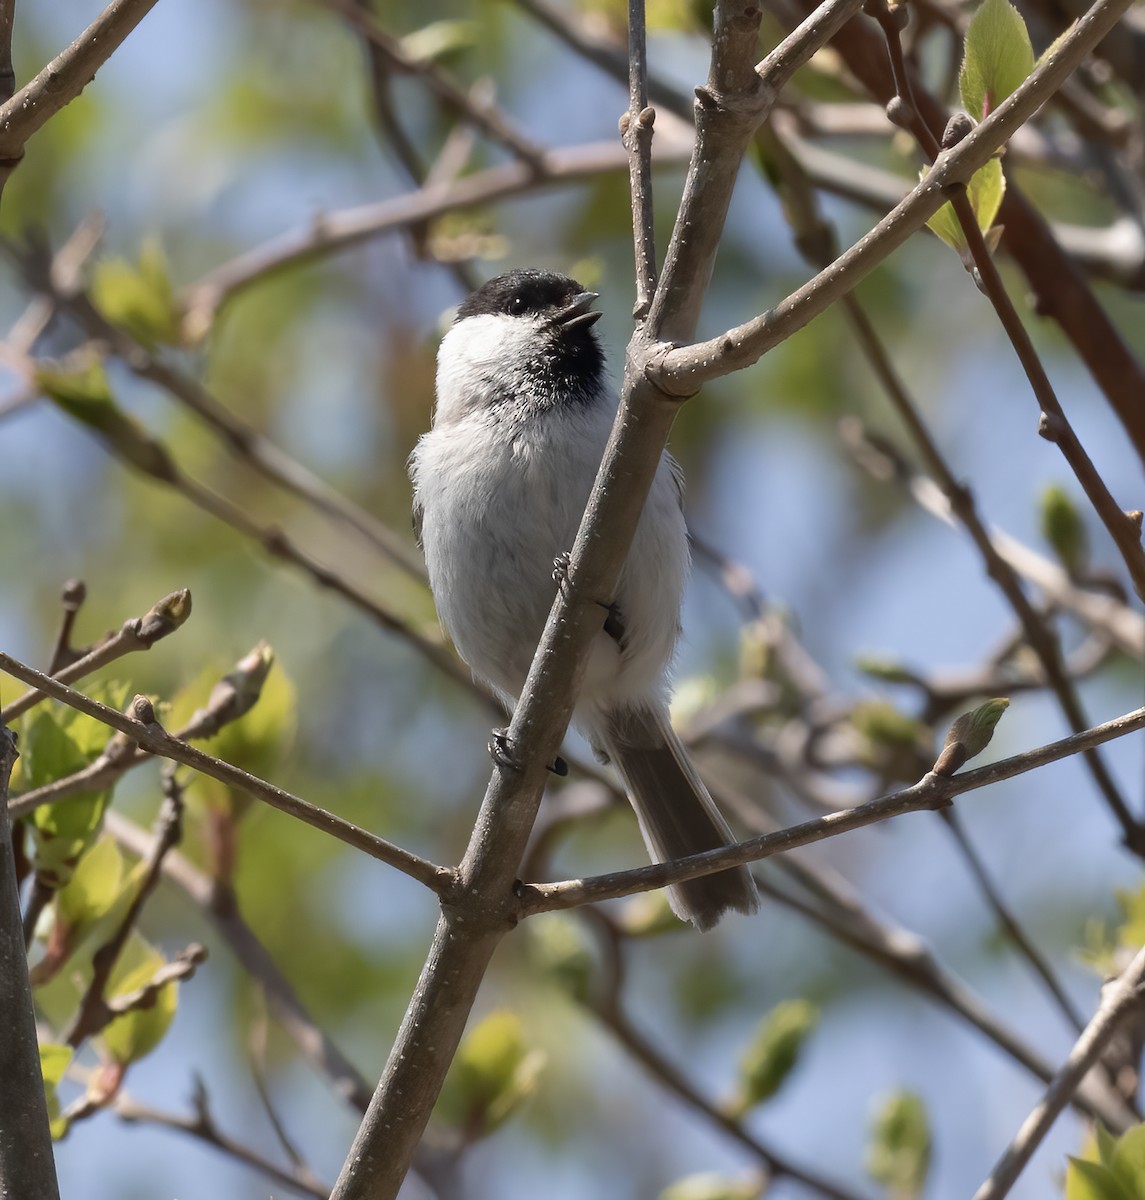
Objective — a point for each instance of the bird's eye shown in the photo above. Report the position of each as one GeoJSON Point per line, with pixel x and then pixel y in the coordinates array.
{"type": "Point", "coordinates": [516, 306]}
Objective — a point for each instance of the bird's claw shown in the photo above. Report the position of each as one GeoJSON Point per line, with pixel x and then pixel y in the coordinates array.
{"type": "Point", "coordinates": [561, 565]}
{"type": "Point", "coordinates": [501, 752]}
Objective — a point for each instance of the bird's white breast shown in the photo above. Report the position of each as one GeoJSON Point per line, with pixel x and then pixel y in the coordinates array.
{"type": "Point", "coordinates": [502, 488]}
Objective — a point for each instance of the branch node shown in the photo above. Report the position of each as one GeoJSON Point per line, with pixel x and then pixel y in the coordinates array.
{"type": "Point", "coordinates": [958, 127]}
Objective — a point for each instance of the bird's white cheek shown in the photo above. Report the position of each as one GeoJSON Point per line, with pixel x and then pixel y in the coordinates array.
{"type": "Point", "coordinates": [479, 361]}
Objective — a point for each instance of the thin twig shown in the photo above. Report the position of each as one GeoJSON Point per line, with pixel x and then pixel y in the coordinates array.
{"type": "Point", "coordinates": [931, 792]}
{"type": "Point", "coordinates": [94, 1011]}
{"type": "Point", "coordinates": [776, 1165]}
{"type": "Point", "coordinates": [486, 118]}
{"type": "Point", "coordinates": [62, 80]}
{"type": "Point", "coordinates": [333, 232]}
{"type": "Point", "coordinates": [1054, 426]}
{"type": "Point", "coordinates": [1103, 613]}
{"type": "Point", "coordinates": [906, 956]}
{"type": "Point", "coordinates": [1117, 1001]}
{"type": "Point", "coordinates": [64, 654]}
{"type": "Point", "coordinates": [150, 735]}
{"type": "Point", "coordinates": [136, 633]}
{"type": "Point", "coordinates": [636, 131]}
{"type": "Point", "coordinates": [232, 697]}
{"type": "Point", "coordinates": [1009, 923]}
{"type": "Point", "coordinates": [1058, 287]}
{"type": "Point", "coordinates": [202, 1126]}
{"type": "Point", "coordinates": [1125, 530]}
{"type": "Point", "coordinates": [219, 904]}
{"type": "Point", "coordinates": [683, 370]}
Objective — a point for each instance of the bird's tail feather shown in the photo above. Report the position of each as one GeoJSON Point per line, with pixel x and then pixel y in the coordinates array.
{"type": "Point", "coordinates": [677, 815]}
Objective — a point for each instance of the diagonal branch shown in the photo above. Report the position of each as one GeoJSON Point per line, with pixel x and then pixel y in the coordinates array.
{"type": "Point", "coordinates": [485, 117]}
{"type": "Point", "coordinates": [682, 371]}
{"type": "Point", "coordinates": [1118, 1000]}
{"type": "Point", "coordinates": [219, 904]}
{"type": "Point", "coordinates": [137, 633]}
{"type": "Point", "coordinates": [333, 232]}
{"type": "Point", "coordinates": [62, 80]}
{"type": "Point", "coordinates": [931, 792]}
{"type": "Point", "coordinates": [149, 734]}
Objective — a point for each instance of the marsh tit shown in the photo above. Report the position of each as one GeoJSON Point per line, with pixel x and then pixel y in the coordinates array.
{"type": "Point", "coordinates": [500, 484]}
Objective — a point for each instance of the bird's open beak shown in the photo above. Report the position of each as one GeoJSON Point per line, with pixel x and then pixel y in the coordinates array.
{"type": "Point", "coordinates": [578, 312]}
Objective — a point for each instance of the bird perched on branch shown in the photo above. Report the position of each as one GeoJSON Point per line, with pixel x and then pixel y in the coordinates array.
{"type": "Point", "coordinates": [500, 485]}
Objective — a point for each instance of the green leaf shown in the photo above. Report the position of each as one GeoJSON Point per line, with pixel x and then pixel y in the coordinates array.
{"type": "Point", "coordinates": [54, 1060]}
{"type": "Point", "coordinates": [985, 191]}
{"type": "Point", "coordinates": [1131, 931]}
{"type": "Point", "coordinates": [997, 57]}
{"type": "Point", "coordinates": [1064, 529]}
{"type": "Point", "coordinates": [898, 1156]}
{"type": "Point", "coordinates": [1086, 1180]}
{"type": "Point", "coordinates": [440, 40]}
{"type": "Point", "coordinates": [773, 1052]}
{"type": "Point", "coordinates": [969, 735]}
{"type": "Point", "coordinates": [138, 297]}
{"type": "Point", "coordinates": [61, 832]}
{"type": "Point", "coordinates": [886, 670]}
{"type": "Point", "coordinates": [135, 1034]}
{"type": "Point", "coordinates": [491, 1076]}
{"type": "Point", "coordinates": [880, 722]}
{"type": "Point", "coordinates": [1127, 1160]}
{"type": "Point", "coordinates": [711, 1186]}
{"type": "Point", "coordinates": [94, 887]}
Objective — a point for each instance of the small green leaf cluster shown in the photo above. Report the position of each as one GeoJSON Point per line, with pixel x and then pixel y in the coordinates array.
{"type": "Point", "coordinates": [1110, 1169]}
{"type": "Point", "coordinates": [86, 885]}
{"type": "Point", "coordinates": [898, 1156]}
{"type": "Point", "coordinates": [773, 1053]}
{"type": "Point", "coordinates": [492, 1075]}
{"type": "Point", "coordinates": [997, 57]}
{"type": "Point", "coordinates": [139, 297]}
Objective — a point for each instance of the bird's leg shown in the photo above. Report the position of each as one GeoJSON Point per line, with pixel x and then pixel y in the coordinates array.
{"type": "Point", "coordinates": [613, 621]}
{"type": "Point", "coordinates": [561, 572]}
{"type": "Point", "coordinates": [501, 752]}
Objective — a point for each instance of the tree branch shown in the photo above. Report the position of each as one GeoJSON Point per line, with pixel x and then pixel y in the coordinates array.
{"type": "Point", "coordinates": [203, 1127]}
{"type": "Point", "coordinates": [467, 935]}
{"type": "Point", "coordinates": [219, 904]}
{"type": "Point", "coordinates": [137, 633]}
{"type": "Point", "coordinates": [636, 132]}
{"type": "Point", "coordinates": [682, 371]}
{"type": "Point", "coordinates": [931, 792]}
{"type": "Point", "coordinates": [95, 1011]}
{"type": "Point", "coordinates": [27, 1165]}
{"type": "Point", "coordinates": [62, 80]}
{"type": "Point", "coordinates": [486, 118]}
{"type": "Point", "coordinates": [1060, 291]}
{"type": "Point", "coordinates": [1117, 1001]}
{"type": "Point", "coordinates": [330, 233]}
{"type": "Point", "coordinates": [148, 733]}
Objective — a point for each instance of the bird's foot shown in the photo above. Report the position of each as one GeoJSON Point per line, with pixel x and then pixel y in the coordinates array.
{"type": "Point", "coordinates": [561, 565]}
{"type": "Point", "coordinates": [501, 752]}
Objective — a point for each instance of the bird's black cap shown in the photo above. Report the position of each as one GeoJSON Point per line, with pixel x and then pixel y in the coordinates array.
{"type": "Point", "coordinates": [524, 293]}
